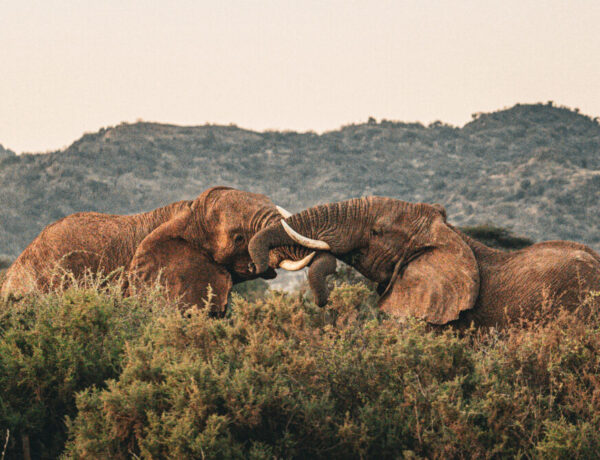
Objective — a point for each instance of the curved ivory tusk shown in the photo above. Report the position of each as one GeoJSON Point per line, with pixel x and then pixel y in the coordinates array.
{"type": "Point", "coordinates": [304, 241]}
{"type": "Point", "coordinates": [284, 212]}
{"type": "Point", "coordinates": [292, 266]}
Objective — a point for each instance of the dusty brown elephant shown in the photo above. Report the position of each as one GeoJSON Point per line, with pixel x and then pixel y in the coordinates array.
{"type": "Point", "coordinates": [191, 243]}
{"type": "Point", "coordinates": [428, 269]}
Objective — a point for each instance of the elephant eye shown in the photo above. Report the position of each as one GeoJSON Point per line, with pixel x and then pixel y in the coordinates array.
{"type": "Point", "coordinates": [238, 239]}
{"type": "Point", "coordinates": [375, 232]}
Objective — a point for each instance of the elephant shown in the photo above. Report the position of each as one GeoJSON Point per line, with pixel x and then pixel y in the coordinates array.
{"type": "Point", "coordinates": [428, 269]}
{"type": "Point", "coordinates": [191, 244]}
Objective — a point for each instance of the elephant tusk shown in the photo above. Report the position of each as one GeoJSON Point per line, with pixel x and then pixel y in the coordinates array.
{"type": "Point", "coordinates": [292, 266]}
{"type": "Point", "coordinates": [284, 212]}
{"type": "Point", "coordinates": [304, 241]}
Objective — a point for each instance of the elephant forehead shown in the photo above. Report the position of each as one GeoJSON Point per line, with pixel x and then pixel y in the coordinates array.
{"type": "Point", "coordinates": [238, 213]}
{"type": "Point", "coordinates": [240, 200]}
{"type": "Point", "coordinates": [227, 220]}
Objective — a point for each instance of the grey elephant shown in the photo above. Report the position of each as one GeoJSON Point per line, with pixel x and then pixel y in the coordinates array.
{"type": "Point", "coordinates": [427, 268]}
{"type": "Point", "coordinates": [191, 244]}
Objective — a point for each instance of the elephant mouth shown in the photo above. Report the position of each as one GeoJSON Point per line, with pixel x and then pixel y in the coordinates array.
{"type": "Point", "coordinates": [356, 259]}
{"type": "Point", "coordinates": [353, 258]}
{"type": "Point", "coordinates": [238, 277]}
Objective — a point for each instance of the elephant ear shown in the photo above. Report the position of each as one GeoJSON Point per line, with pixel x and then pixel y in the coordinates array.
{"type": "Point", "coordinates": [175, 228]}
{"type": "Point", "coordinates": [438, 284]}
{"type": "Point", "coordinates": [186, 273]}
{"type": "Point", "coordinates": [185, 270]}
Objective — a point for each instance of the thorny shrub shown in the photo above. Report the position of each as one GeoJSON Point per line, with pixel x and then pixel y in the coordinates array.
{"type": "Point", "coordinates": [54, 345]}
{"type": "Point", "coordinates": [127, 377]}
{"type": "Point", "coordinates": [280, 378]}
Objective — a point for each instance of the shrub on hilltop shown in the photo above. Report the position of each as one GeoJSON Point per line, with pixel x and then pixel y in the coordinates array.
{"type": "Point", "coordinates": [497, 237]}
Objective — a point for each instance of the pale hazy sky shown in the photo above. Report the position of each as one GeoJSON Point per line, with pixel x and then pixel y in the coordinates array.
{"type": "Point", "coordinates": [71, 66]}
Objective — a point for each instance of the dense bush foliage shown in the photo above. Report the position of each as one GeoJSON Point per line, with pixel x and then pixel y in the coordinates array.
{"type": "Point", "coordinates": [52, 346]}
{"type": "Point", "coordinates": [281, 378]}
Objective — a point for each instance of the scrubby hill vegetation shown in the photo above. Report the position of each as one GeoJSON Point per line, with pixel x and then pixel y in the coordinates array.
{"type": "Point", "coordinates": [5, 153]}
{"type": "Point", "coordinates": [92, 374]}
{"type": "Point", "coordinates": [533, 168]}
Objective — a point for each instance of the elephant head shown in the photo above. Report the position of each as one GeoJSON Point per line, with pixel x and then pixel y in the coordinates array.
{"type": "Point", "coordinates": [422, 265]}
{"type": "Point", "coordinates": [206, 242]}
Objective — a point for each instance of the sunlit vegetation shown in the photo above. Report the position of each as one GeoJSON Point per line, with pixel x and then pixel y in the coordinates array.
{"type": "Point", "coordinates": [92, 374]}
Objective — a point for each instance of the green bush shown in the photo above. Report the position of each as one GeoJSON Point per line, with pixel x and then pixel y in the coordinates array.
{"type": "Point", "coordinates": [92, 374]}
{"type": "Point", "coordinates": [280, 378]}
{"type": "Point", "coordinates": [52, 346]}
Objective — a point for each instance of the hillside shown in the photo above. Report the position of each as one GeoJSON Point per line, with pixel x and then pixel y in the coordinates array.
{"type": "Point", "coordinates": [532, 168]}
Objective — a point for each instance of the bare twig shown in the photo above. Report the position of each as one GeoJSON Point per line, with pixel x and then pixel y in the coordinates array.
{"type": "Point", "coordinates": [5, 444]}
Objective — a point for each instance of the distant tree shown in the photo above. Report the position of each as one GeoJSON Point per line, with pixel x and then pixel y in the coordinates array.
{"type": "Point", "coordinates": [5, 262]}
{"type": "Point", "coordinates": [497, 237]}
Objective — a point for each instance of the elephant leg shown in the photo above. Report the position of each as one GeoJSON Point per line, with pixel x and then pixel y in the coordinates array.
{"type": "Point", "coordinates": [324, 264]}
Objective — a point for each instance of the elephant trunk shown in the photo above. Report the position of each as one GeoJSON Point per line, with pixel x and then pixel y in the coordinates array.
{"type": "Point", "coordinates": [335, 227]}
{"type": "Point", "coordinates": [332, 229]}
{"type": "Point", "coordinates": [289, 258]}
{"type": "Point", "coordinates": [271, 237]}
